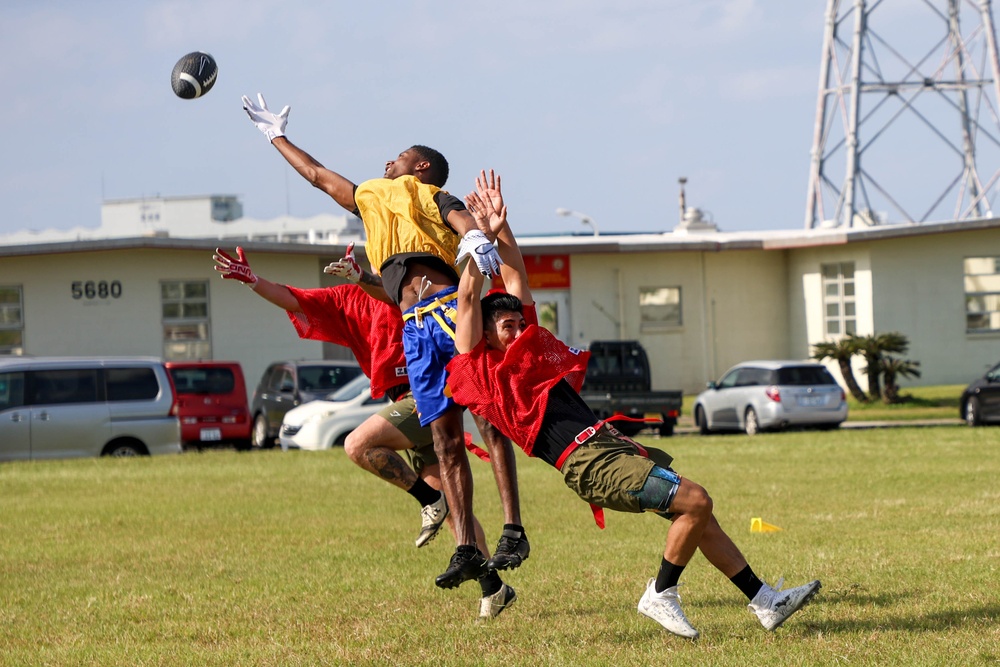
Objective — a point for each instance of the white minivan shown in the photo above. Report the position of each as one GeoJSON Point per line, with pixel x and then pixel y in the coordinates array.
{"type": "Point", "coordinates": [64, 407]}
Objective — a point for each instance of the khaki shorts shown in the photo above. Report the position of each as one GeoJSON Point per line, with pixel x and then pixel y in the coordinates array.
{"type": "Point", "coordinates": [403, 415]}
{"type": "Point", "coordinates": [609, 471]}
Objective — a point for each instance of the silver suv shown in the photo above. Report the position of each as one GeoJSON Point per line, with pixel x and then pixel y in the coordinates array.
{"type": "Point", "coordinates": [760, 395]}
{"type": "Point", "coordinates": [64, 407]}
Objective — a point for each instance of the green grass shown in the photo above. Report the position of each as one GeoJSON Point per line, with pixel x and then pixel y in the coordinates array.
{"type": "Point", "coordinates": [922, 403]}
{"type": "Point", "coordinates": [271, 558]}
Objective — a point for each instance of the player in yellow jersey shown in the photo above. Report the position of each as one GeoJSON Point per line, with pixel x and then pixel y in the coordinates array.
{"type": "Point", "coordinates": [416, 234]}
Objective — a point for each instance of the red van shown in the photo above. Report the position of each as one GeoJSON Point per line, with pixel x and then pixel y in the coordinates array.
{"type": "Point", "coordinates": [211, 403]}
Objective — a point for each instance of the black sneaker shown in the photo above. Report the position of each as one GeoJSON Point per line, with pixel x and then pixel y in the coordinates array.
{"type": "Point", "coordinates": [512, 549]}
{"type": "Point", "coordinates": [465, 565]}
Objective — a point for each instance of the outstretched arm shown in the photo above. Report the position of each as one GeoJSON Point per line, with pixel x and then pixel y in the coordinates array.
{"type": "Point", "coordinates": [272, 125]}
{"type": "Point", "coordinates": [238, 268]}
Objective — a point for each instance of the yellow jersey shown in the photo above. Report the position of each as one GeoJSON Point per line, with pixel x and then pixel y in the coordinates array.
{"type": "Point", "coordinates": [400, 215]}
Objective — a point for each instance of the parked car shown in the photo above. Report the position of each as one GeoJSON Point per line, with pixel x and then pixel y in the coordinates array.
{"type": "Point", "coordinates": [323, 424]}
{"type": "Point", "coordinates": [769, 395]}
{"type": "Point", "coordinates": [288, 384]}
{"type": "Point", "coordinates": [65, 407]}
{"type": "Point", "coordinates": [211, 403]}
{"type": "Point", "coordinates": [980, 402]}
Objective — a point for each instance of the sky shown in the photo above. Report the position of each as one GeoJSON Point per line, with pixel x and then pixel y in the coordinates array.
{"type": "Point", "coordinates": [593, 106]}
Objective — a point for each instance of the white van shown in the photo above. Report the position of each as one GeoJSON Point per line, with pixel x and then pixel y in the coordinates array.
{"type": "Point", "coordinates": [64, 407]}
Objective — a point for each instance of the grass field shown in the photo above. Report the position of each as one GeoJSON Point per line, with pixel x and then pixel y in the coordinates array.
{"type": "Point", "coordinates": [271, 558]}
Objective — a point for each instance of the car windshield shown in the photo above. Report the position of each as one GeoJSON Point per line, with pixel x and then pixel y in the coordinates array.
{"type": "Point", "coordinates": [804, 375]}
{"type": "Point", "coordinates": [203, 380]}
{"type": "Point", "coordinates": [325, 378]}
{"type": "Point", "coordinates": [350, 390]}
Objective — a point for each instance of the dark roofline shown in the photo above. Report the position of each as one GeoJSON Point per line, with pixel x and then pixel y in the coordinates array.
{"type": "Point", "coordinates": [537, 245]}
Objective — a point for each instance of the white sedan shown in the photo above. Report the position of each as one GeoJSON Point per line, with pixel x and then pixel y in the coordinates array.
{"type": "Point", "coordinates": [322, 424]}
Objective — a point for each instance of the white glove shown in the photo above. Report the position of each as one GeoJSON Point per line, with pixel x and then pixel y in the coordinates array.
{"type": "Point", "coordinates": [478, 246]}
{"type": "Point", "coordinates": [271, 124]}
{"type": "Point", "coordinates": [346, 267]}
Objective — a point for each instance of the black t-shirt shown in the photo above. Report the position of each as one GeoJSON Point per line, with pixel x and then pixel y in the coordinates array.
{"type": "Point", "coordinates": [566, 416]}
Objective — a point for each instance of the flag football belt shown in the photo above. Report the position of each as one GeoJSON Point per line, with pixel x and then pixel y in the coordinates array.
{"type": "Point", "coordinates": [433, 310]}
{"type": "Point", "coordinates": [582, 437]}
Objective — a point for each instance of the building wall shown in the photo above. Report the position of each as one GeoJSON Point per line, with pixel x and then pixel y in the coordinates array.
{"type": "Point", "coordinates": [733, 308]}
{"type": "Point", "coordinates": [919, 292]}
{"type": "Point", "coordinates": [244, 327]}
{"type": "Point", "coordinates": [913, 285]}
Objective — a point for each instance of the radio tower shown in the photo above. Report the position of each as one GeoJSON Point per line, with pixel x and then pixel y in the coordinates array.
{"type": "Point", "coordinates": [903, 136]}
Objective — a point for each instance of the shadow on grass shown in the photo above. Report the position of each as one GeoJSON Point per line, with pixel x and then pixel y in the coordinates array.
{"type": "Point", "coordinates": [934, 622]}
{"type": "Point", "coordinates": [883, 619]}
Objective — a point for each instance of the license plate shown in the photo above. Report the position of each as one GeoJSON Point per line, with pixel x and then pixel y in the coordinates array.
{"type": "Point", "coordinates": [810, 401]}
{"type": "Point", "coordinates": [652, 417]}
{"type": "Point", "coordinates": [208, 434]}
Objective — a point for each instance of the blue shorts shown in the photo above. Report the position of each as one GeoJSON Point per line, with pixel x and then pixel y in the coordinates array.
{"type": "Point", "coordinates": [429, 347]}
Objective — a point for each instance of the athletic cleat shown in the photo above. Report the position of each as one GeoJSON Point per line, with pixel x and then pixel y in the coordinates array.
{"type": "Point", "coordinates": [465, 564]}
{"type": "Point", "coordinates": [491, 605]}
{"type": "Point", "coordinates": [512, 550]}
{"type": "Point", "coordinates": [773, 606]}
{"type": "Point", "coordinates": [431, 519]}
{"type": "Point", "coordinates": [665, 609]}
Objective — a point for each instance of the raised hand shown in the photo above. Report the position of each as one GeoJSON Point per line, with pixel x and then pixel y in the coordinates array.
{"type": "Point", "coordinates": [237, 268]}
{"type": "Point", "coordinates": [486, 203]}
{"type": "Point", "coordinates": [268, 122]}
{"type": "Point", "coordinates": [346, 267]}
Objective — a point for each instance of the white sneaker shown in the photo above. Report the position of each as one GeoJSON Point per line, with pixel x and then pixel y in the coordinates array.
{"type": "Point", "coordinates": [431, 518]}
{"type": "Point", "coordinates": [773, 606]}
{"type": "Point", "coordinates": [491, 605]}
{"type": "Point", "coordinates": [665, 609]}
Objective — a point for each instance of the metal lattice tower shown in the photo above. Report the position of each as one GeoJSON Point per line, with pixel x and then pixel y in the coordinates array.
{"type": "Point", "coordinates": [901, 136]}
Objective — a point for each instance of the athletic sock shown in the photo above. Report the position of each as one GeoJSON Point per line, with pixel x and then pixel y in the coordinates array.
{"type": "Point", "coordinates": [514, 527]}
{"type": "Point", "coordinates": [747, 582]}
{"type": "Point", "coordinates": [668, 576]}
{"type": "Point", "coordinates": [490, 583]}
{"type": "Point", "coordinates": [424, 493]}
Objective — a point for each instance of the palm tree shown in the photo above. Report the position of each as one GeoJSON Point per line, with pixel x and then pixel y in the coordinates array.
{"type": "Point", "coordinates": [873, 347]}
{"type": "Point", "coordinates": [842, 351]}
{"type": "Point", "coordinates": [893, 367]}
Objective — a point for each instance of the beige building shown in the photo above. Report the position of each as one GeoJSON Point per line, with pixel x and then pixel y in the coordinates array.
{"type": "Point", "coordinates": [698, 302]}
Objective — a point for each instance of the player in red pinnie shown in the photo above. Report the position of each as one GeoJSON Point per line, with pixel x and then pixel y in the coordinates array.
{"type": "Point", "coordinates": [346, 315]}
{"type": "Point", "coordinates": [525, 381]}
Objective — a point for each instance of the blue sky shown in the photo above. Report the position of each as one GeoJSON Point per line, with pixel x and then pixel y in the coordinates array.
{"type": "Point", "coordinates": [593, 106]}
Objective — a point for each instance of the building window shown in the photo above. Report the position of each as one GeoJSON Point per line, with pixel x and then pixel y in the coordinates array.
{"type": "Point", "coordinates": [982, 294]}
{"type": "Point", "coordinates": [185, 319]}
{"type": "Point", "coordinates": [11, 320]}
{"type": "Point", "coordinates": [659, 308]}
{"type": "Point", "coordinates": [839, 314]}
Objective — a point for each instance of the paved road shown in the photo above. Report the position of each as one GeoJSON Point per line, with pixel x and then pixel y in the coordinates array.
{"type": "Point", "coordinates": [693, 430]}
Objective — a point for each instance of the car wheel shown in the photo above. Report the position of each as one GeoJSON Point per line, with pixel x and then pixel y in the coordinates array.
{"type": "Point", "coordinates": [258, 437]}
{"type": "Point", "coordinates": [750, 423]}
{"type": "Point", "coordinates": [972, 417]}
{"type": "Point", "coordinates": [699, 418]}
{"type": "Point", "coordinates": [667, 430]}
{"type": "Point", "coordinates": [123, 449]}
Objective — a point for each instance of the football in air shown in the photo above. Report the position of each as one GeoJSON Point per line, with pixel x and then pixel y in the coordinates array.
{"type": "Point", "coordinates": [194, 75]}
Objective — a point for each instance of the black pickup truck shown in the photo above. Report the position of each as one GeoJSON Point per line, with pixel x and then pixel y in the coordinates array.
{"type": "Point", "coordinates": [618, 383]}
